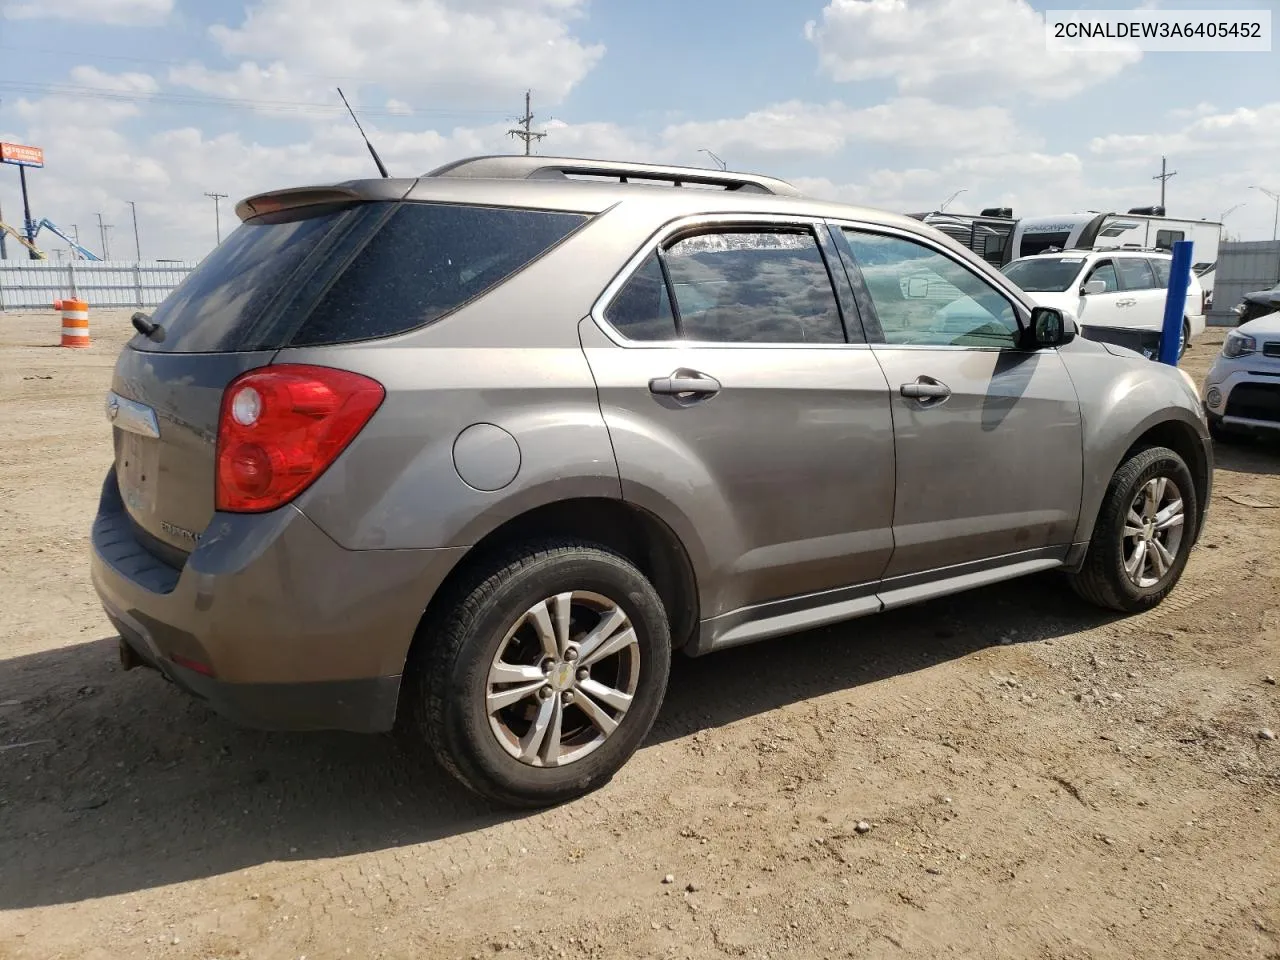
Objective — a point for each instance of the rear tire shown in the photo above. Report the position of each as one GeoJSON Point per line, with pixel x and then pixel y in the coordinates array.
{"type": "Point", "coordinates": [1143, 534]}
{"type": "Point", "coordinates": [1186, 338]}
{"type": "Point", "coordinates": [527, 683]}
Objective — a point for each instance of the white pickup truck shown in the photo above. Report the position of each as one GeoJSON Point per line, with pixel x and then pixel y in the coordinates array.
{"type": "Point", "coordinates": [1109, 288]}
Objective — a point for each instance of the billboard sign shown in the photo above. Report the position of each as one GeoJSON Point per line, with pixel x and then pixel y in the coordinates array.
{"type": "Point", "coordinates": [22, 155]}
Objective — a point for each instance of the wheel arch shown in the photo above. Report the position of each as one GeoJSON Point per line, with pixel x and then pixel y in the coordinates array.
{"type": "Point", "coordinates": [632, 531]}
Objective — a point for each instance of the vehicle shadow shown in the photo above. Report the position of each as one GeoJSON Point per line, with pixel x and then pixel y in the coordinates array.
{"type": "Point", "coordinates": [126, 783]}
{"type": "Point", "coordinates": [1248, 454]}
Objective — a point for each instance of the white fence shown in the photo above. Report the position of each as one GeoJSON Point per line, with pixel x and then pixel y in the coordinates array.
{"type": "Point", "coordinates": [1243, 267]}
{"type": "Point", "coordinates": [27, 284]}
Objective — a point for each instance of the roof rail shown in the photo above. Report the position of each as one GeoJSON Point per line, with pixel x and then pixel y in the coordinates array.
{"type": "Point", "coordinates": [515, 167]}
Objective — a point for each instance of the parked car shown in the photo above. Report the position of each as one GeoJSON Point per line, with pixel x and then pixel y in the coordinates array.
{"type": "Point", "coordinates": [470, 455]}
{"type": "Point", "coordinates": [1260, 303]}
{"type": "Point", "coordinates": [1242, 389]}
{"type": "Point", "coordinates": [1109, 288]}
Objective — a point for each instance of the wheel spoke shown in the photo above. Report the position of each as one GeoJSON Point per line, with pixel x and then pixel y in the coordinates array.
{"type": "Point", "coordinates": [602, 631]}
{"type": "Point", "coordinates": [541, 618]}
{"type": "Point", "coordinates": [505, 698]}
{"type": "Point", "coordinates": [1133, 523]}
{"type": "Point", "coordinates": [606, 695]}
{"type": "Point", "coordinates": [1170, 516]}
{"type": "Point", "coordinates": [563, 608]}
{"type": "Point", "coordinates": [605, 723]}
{"type": "Point", "coordinates": [1135, 565]}
{"type": "Point", "coordinates": [551, 743]}
{"type": "Point", "coordinates": [504, 672]}
{"type": "Point", "coordinates": [532, 741]}
{"type": "Point", "coordinates": [1156, 493]}
{"type": "Point", "coordinates": [1161, 557]}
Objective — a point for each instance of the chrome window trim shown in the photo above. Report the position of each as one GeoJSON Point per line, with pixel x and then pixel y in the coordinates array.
{"type": "Point", "coordinates": [693, 222]}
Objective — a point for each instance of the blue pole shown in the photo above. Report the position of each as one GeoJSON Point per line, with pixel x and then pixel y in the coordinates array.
{"type": "Point", "coordinates": [1175, 304]}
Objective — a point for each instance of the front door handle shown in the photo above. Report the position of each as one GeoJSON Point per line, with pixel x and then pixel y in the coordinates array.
{"type": "Point", "coordinates": [683, 382]}
{"type": "Point", "coordinates": [926, 390]}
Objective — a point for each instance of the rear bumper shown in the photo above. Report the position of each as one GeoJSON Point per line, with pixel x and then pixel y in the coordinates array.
{"type": "Point", "coordinates": [286, 630]}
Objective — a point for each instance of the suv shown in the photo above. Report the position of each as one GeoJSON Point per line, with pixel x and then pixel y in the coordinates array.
{"type": "Point", "coordinates": [1242, 389]}
{"type": "Point", "coordinates": [469, 455]}
{"type": "Point", "coordinates": [1123, 289]}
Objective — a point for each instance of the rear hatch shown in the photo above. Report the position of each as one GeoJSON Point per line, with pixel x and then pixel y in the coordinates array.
{"type": "Point", "coordinates": [330, 271]}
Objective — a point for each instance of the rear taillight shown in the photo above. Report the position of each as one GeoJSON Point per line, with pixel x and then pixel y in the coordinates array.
{"type": "Point", "coordinates": [280, 428]}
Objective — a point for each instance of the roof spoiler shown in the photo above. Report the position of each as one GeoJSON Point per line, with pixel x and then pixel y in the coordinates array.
{"type": "Point", "coordinates": [515, 167]}
{"type": "Point", "coordinates": [274, 201]}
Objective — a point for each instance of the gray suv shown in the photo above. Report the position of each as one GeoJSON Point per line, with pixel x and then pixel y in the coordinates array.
{"type": "Point", "coordinates": [468, 456]}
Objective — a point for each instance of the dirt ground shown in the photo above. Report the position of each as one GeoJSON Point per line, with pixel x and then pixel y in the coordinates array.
{"type": "Point", "coordinates": [1040, 780]}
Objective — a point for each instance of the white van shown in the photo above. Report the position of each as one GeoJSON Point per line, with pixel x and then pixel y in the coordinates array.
{"type": "Point", "coordinates": [1109, 288]}
{"type": "Point", "coordinates": [1143, 228]}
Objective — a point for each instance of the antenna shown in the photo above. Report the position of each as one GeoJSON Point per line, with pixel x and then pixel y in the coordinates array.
{"type": "Point", "coordinates": [372, 152]}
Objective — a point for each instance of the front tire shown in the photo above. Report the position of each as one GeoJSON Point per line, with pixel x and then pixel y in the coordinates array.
{"type": "Point", "coordinates": [543, 673]}
{"type": "Point", "coordinates": [1143, 535]}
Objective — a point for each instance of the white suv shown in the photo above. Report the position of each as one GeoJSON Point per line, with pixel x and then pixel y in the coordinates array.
{"type": "Point", "coordinates": [1124, 289]}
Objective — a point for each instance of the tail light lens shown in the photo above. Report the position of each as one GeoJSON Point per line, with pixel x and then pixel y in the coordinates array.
{"type": "Point", "coordinates": [281, 427]}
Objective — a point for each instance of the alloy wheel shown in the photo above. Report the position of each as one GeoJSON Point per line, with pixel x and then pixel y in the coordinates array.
{"type": "Point", "coordinates": [1153, 531]}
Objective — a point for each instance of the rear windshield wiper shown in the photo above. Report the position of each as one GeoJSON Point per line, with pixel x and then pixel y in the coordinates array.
{"type": "Point", "coordinates": [142, 323]}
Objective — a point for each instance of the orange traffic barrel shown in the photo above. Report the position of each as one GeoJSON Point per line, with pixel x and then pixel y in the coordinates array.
{"type": "Point", "coordinates": [75, 323]}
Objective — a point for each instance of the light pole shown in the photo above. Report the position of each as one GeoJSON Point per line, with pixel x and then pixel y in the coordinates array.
{"type": "Point", "coordinates": [947, 202]}
{"type": "Point", "coordinates": [719, 163]}
{"type": "Point", "coordinates": [217, 213]}
{"type": "Point", "coordinates": [102, 232]}
{"type": "Point", "coordinates": [137, 245]}
{"type": "Point", "coordinates": [1229, 211]}
{"type": "Point", "coordinates": [1275, 225]}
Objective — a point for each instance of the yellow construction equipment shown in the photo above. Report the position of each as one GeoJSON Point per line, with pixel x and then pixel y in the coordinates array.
{"type": "Point", "coordinates": [13, 232]}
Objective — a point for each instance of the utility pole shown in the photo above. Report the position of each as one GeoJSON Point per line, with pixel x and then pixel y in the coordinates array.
{"type": "Point", "coordinates": [217, 213]}
{"type": "Point", "coordinates": [523, 132]}
{"type": "Point", "coordinates": [137, 246]}
{"type": "Point", "coordinates": [102, 232]}
{"type": "Point", "coordinates": [1163, 177]}
{"type": "Point", "coordinates": [4, 254]}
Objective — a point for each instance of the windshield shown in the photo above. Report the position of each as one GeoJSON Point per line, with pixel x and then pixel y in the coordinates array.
{"type": "Point", "coordinates": [1044, 274]}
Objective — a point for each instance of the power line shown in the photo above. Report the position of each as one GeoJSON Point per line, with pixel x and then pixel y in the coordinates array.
{"type": "Point", "coordinates": [523, 132]}
{"type": "Point", "coordinates": [217, 212]}
{"type": "Point", "coordinates": [194, 100]}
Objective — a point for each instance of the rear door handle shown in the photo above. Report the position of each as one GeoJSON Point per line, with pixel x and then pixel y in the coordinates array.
{"type": "Point", "coordinates": [685, 382]}
{"type": "Point", "coordinates": [925, 389]}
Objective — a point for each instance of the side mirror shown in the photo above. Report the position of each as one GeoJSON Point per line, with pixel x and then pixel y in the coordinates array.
{"type": "Point", "coordinates": [1049, 327]}
{"type": "Point", "coordinates": [1094, 286]}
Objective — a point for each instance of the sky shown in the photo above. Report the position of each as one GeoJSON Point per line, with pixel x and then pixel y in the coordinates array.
{"type": "Point", "coordinates": [895, 104]}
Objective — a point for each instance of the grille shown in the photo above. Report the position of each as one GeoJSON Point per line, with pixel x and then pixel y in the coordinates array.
{"type": "Point", "coordinates": [1255, 401]}
{"type": "Point", "coordinates": [1271, 349]}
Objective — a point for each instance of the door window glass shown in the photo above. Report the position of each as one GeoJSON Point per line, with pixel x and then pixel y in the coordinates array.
{"type": "Point", "coordinates": [753, 286]}
{"type": "Point", "coordinates": [1136, 274]}
{"type": "Point", "coordinates": [924, 297]}
{"type": "Point", "coordinates": [642, 308]}
{"type": "Point", "coordinates": [1106, 272]}
{"type": "Point", "coordinates": [1162, 269]}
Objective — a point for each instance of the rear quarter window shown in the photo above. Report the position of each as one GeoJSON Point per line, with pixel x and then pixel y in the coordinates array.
{"type": "Point", "coordinates": [427, 260]}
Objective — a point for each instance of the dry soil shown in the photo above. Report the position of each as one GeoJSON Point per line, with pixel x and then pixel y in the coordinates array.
{"type": "Point", "coordinates": [1040, 780]}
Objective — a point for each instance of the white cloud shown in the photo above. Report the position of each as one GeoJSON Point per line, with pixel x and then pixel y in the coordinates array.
{"type": "Point", "coordinates": [1243, 129]}
{"type": "Point", "coordinates": [947, 49]}
{"type": "Point", "coordinates": [131, 12]}
{"type": "Point", "coordinates": [437, 51]}
{"type": "Point", "coordinates": [88, 76]}
{"type": "Point", "coordinates": [809, 128]}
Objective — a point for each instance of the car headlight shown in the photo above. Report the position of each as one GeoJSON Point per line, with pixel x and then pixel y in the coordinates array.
{"type": "Point", "coordinates": [1238, 345]}
{"type": "Point", "coordinates": [1238, 309]}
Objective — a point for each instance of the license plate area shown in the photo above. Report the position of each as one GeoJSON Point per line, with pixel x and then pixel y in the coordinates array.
{"type": "Point", "coordinates": [138, 471]}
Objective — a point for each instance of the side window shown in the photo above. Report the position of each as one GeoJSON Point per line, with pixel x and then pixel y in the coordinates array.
{"type": "Point", "coordinates": [1135, 273]}
{"type": "Point", "coordinates": [642, 308]}
{"type": "Point", "coordinates": [753, 286]}
{"type": "Point", "coordinates": [1106, 272]}
{"type": "Point", "coordinates": [1165, 239]}
{"type": "Point", "coordinates": [1162, 269]}
{"type": "Point", "coordinates": [924, 297]}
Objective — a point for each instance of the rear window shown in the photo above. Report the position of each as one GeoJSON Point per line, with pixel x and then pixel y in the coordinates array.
{"type": "Point", "coordinates": [1044, 274]}
{"type": "Point", "coordinates": [427, 260]}
{"type": "Point", "coordinates": [216, 308]}
{"type": "Point", "coordinates": [371, 271]}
